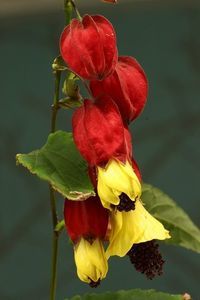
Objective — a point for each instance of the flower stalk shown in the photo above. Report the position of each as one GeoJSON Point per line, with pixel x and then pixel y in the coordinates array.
{"type": "Point", "coordinates": [76, 10]}
{"type": "Point", "coordinates": [68, 7]}
{"type": "Point", "coordinates": [54, 245]}
{"type": "Point", "coordinates": [55, 107]}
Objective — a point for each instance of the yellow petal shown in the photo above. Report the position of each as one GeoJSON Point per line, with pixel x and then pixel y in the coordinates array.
{"type": "Point", "coordinates": [117, 178]}
{"type": "Point", "coordinates": [107, 195]}
{"type": "Point", "coordinates": [137, 226]}
{"type": "Point", "coordinates": [90, 260]}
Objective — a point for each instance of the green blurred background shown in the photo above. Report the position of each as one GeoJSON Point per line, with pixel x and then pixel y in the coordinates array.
{"type": "Point", "coordinates": [165, 37]}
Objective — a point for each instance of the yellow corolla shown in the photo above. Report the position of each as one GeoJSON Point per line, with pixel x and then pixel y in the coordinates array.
{"type": "Point", "coordinates": [90, 260]}
{"type": "Point", "coordinates": [113, 180]}
{"type": "Point", "coordinates": [133, 227]}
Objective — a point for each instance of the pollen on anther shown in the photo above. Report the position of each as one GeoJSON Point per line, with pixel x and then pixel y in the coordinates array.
{"type": "Point", "coordinates": [126, 204]}
{"type": "Point", "coordinates": [147, 259]}
{"type": "Point", "coordinates": [94, 284]}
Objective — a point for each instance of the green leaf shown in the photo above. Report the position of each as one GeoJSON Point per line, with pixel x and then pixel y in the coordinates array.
{"type": "Point", "coordinates": [183, 231]}
{"type": "Point", "coordinates": [129, 295]}
{"type": "Point", "coordinates": [59, 163]}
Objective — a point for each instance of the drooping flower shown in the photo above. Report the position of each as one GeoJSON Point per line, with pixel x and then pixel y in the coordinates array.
{"type": "Point", "coordinates": [133, 227]}
{"type": "Point", "coordinates": [89, 47]}
{"type": "Point", "coordinates": [86, 223]}
{"type": "Point", "coordinates": [127, 86]}
{"type": "Point", "coordinates": [117, 182]}
{"type": "Point", "coordinates": [105, 142]}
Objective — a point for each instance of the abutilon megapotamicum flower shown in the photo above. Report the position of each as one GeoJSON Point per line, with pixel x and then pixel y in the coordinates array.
{"type": "Point", "coordinates": [104, 141]}
{"type": "Point", "coordinates": [89, 47]}
{"type": "Point", "coordinates": [133, 227]}
{"type": "Point", "coordinates": [127, 86]}
{"type": "Point", "coordinates": [86, 223]}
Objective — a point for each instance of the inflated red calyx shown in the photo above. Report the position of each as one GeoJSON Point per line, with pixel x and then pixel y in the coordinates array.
{"type": "Point", "coordinates": [127, 86]}
{"type": "Point", "coordinates": [89, 47]}
{"type": "Point", "coordinates": [87, 219]}
{"type": "Point", "coordinates": [99, 132]}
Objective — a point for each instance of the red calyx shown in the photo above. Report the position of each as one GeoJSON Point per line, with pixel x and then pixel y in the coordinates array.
{"type": "Point", "coordinates": [89, 47]}
{"type": "Point", "coordinates": [87, 219]}
{"type": "Point", "coordinates": [127, 86]}
{"type": "Point", "coordinates": [99, 132]}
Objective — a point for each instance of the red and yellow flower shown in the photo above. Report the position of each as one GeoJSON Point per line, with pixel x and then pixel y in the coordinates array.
{"type": "Point", "coordinates": [100, 130]}
{"type": "Point", "coordinates": [86, 223]}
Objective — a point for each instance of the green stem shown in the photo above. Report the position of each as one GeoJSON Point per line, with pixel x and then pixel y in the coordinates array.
{"type": "Point", "coordinates": [60, 226]}
{"type": "Point", "coordinates": [55, 222]}
{"type": "Point", "coordinates": [55, 105]}
{"type": "Point", "coordinates": [54, 245]}
{"type": "Point", "coordinates": [76, 10]}
{"type": "Point", "coordinates": [68, 10]}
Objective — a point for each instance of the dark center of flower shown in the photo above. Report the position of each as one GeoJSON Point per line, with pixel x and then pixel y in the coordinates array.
{"type": "Point", "coordinates": [89, 237]}
{"type": "Point", "coordinates": [125, 204]}
{"type": "Point", "coordinates": [94, 284]}
{"type": "Point", "coordinates": [147, 259]}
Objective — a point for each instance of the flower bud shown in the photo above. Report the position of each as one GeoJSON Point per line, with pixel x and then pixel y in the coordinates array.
{"type": "Point", "coordinates": [127, 86]}
{"type": "Point", "coordinates": [99, 132]}
{"type": "Point", "coordinates": [89, 47]}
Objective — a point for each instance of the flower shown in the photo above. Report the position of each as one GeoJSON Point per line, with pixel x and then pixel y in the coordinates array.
{"type": "Point", "coordinates": [127, 86]}
{"type": "Point", "coordinates": [105, 142]}
{"type": "Point", "coordinates": [89, 47]}
{"type": "Point", "coordinates": [133, 227]}
{"type": "Point", "coordinates": [86, 223]}
{"type": "Point", "coordinates": [115, 181]}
